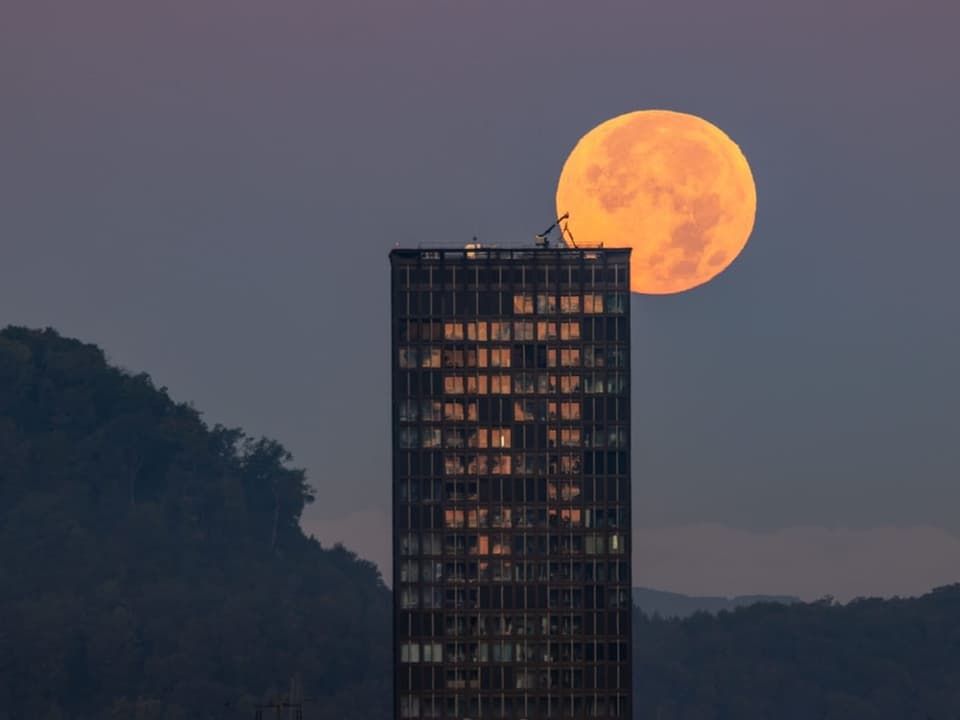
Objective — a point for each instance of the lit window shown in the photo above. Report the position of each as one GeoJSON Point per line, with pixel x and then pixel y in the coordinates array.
{"type": "Point", "coordinates": [500, 464]}
{"type": "Point", "coordinates": [453, 331]}
{"type": "Point", "coordinates": [522, 304]}
{"type": "Point", "coordinates": [499, 331]}
{"type": "Point", "coordinates": [593, 303]}
{"type": "Point", "coordinates": [523, 410]}
{"type": "Point", "coordinates": [500, 357]}
{"type": "Point", "coordinates": [616, 544]}
{"type": "Point", "coordinates": [569, 303]}
{"type": "Point", "coordinates": [570, 410]}
{"type": "Point", "coordinates": [477, 331]}
{"type": "Point", "coordinates": [570, 437]}
{"type": "Point", "coordinates": [477, 438]}
{"type": "Point", "coordinates": [546, 330]}
{"type": "Point", "coordinates": [500, 384]}
{"type": "Point", "coordinates": [570, 384]}
{"type": "Point", "coordinates": [500, 437]}
{"type": "Point", "coordinates": [477, 384]}
{"type": "Point", "coordinates": [453, 410]}
{"type": "Point", "coordinates": [570, 357]}
{"type": "Point", "coordinates": [453, 385]}
{"type": "Point", "coordinates": [570, 330]}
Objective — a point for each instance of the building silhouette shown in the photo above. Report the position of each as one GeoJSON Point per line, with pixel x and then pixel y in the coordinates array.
{"type": "Point", "coordinates": [511, 482]}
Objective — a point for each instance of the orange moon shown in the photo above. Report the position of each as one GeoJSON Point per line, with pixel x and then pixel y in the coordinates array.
{"type": "Point", "coordinates": [669, 185]}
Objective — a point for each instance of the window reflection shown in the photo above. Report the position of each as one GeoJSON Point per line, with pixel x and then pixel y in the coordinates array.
{"type": "Point", "coordinates": [522, 304]}
{"type": "Point", "coordinates": [546, 303]}
{"type": "Point", "coordinates": [477, 385]}
{"type": "Point", "coordinates": [593, 303]}
{"type": "Point", "coordinates": [453, 384]}
{"type": "Point", "coordinates": [570, 330]}
{"type": "Point", "coordinates": [523, 330]}
{"type": "Point", "coordinates": [500, 357]}
{"type": "Point", "coordinates": [499, 330]}
{"type": "Point", "coordinates": [546, 330]}
{"type": "Point", "coordinates": [477, 331]}
{"type": "Point", "coordinates": [500, 384]}
{"type": "Point", "coordinates": [569, 303]}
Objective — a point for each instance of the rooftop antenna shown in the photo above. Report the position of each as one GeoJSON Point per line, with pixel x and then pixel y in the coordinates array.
{"type": "Point", "coordinates": [543, 239]}
{"type": "Point", "coordinates": [565, 230]}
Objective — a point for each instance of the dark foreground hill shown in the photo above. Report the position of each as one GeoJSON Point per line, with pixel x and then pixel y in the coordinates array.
{"type": "Point", "coordinates": [870, 659]}
{"type": "Point", "coordinates": [153, 568]}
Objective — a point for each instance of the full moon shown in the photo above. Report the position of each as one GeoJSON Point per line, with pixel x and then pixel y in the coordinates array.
{"type": "Point", "coordinates": [669, 185]}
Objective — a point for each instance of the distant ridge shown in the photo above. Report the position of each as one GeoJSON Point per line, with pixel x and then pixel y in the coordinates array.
{"type": "Point", "coordinates": [676, 605]}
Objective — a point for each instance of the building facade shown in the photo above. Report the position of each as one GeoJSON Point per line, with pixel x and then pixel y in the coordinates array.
{"type": "Point", "coordinates": [511, 483]}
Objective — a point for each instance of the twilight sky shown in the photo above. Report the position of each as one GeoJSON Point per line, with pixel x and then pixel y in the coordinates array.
{"type": "Point", "coordinates": [209, 189]}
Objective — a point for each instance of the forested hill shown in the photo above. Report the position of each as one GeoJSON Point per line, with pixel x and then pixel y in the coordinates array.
{"type": "Point", "coordinates": [867, 660]}
{"type": "Point", "coordinates": [152, 566]}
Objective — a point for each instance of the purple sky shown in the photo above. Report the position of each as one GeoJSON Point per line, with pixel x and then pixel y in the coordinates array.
{"type": "Point", "coordinates": [209, 190]}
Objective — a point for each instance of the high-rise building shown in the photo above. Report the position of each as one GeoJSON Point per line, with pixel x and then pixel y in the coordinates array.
{"type": "Point", "coordinates": [511, 482]}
